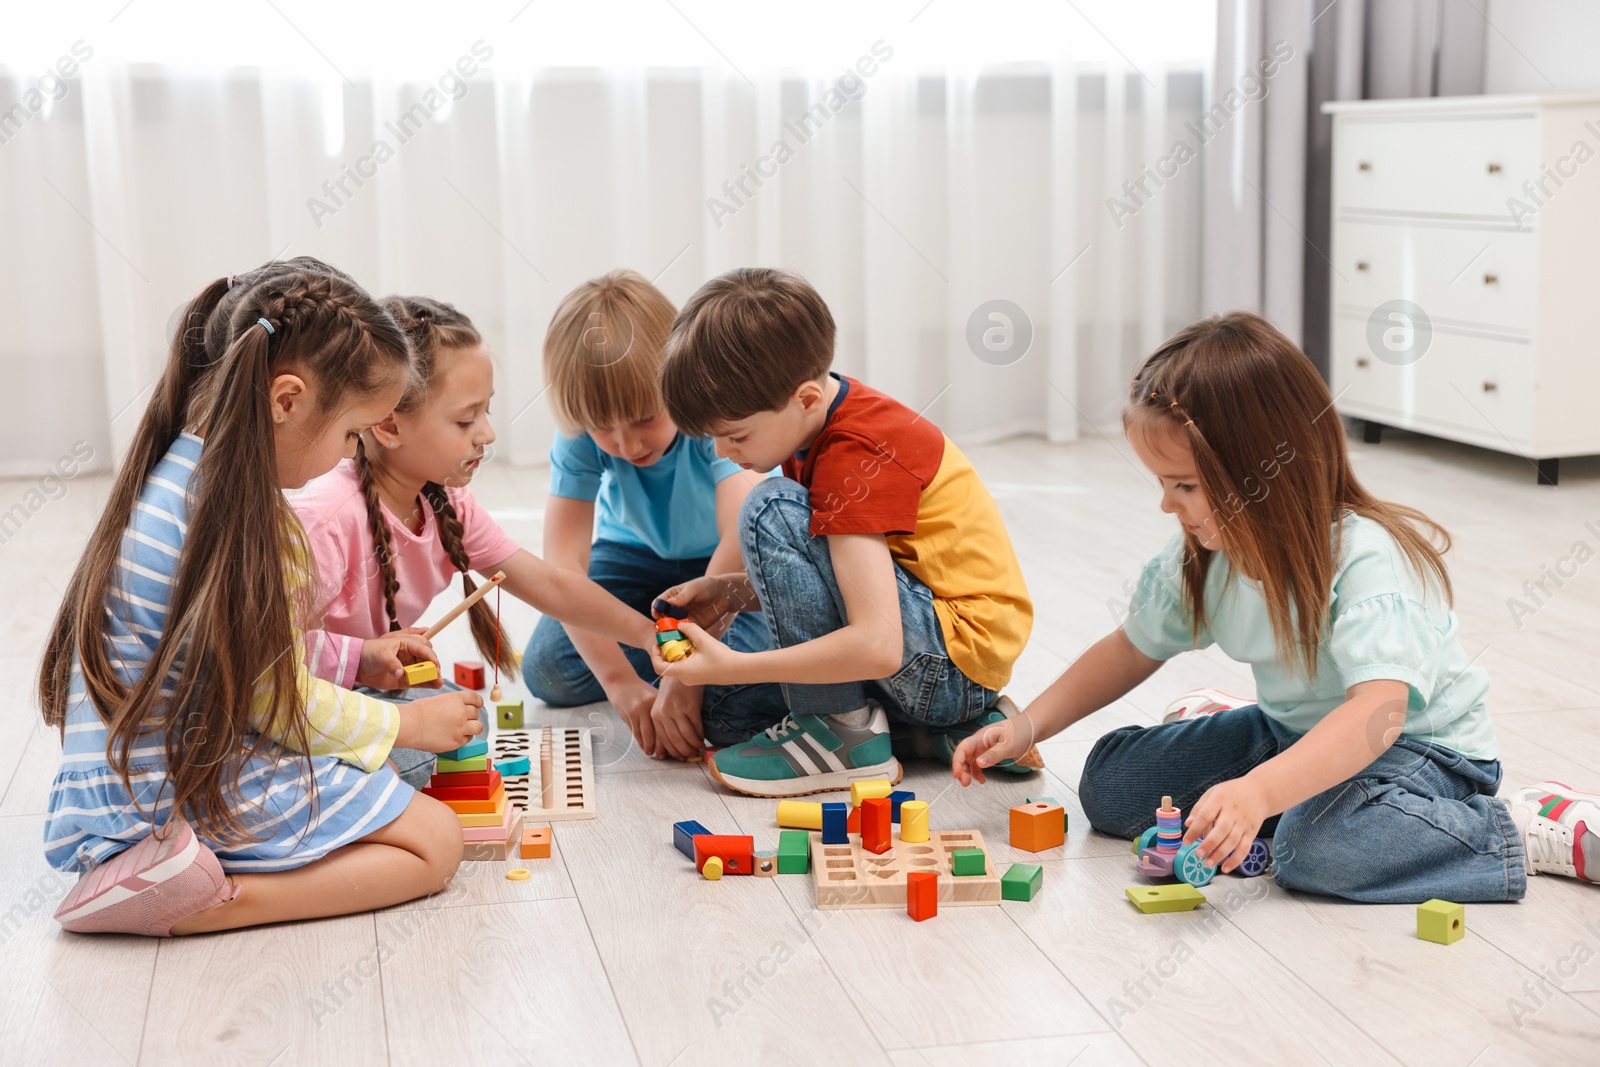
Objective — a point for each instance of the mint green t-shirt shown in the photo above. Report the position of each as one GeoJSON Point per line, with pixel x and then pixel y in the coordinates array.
{"type": "Point", "coordinates": [1386, 624]}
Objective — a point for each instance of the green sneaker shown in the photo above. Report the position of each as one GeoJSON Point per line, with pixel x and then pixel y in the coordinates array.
{"type": "Point", "coordinates": [946, 739]}
{"type": "Point", "coordinates": [807, 754]}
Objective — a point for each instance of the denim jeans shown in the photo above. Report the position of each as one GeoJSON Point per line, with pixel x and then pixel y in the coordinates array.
{"type": "Point", "coordinates": [792, 573]}
{"type": "Point", "coordinates": [556, 673]}
{"type": "Point", "coordinates": [1419, 822]}
{"type": "Point", "coordinates": [414, 766]}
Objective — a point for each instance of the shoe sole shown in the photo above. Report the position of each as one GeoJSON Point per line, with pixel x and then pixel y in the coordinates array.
{"type": "Point", "coordinates": [104, 886]}
{"type": "Point", "coordinates": [1216, 696]}
{"type": "Point", "coordinates": [811, 783]}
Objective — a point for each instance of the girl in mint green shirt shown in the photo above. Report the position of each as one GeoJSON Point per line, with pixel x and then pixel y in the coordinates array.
{"type": "Point", "coordinates": [1369, 756]}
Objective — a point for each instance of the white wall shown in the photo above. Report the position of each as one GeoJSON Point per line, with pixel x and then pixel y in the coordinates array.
{"type": "Point", "coordinates": [1542, 46]}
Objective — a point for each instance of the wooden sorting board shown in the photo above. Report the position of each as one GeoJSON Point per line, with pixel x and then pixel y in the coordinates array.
{"type": "Point", "coordinates": [572, 772]}
{"type": "Point", "coordinates": [848, 876]}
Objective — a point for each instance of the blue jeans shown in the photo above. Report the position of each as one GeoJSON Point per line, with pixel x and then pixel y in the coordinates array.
{"type": "Point", "coordinates": [792, 573]}
{"type": "Point", "coordinates": [556, 673]}
{"type": "Point", "coordinates": [1419, 822]}
{"type": "Point", "coordinates": [414, 766]}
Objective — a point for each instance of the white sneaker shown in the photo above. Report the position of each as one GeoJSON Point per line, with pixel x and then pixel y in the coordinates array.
{"type": "Point", "coordinates": [1560, 826]}
{"type": "Point", "coordinates": [1200, 702]}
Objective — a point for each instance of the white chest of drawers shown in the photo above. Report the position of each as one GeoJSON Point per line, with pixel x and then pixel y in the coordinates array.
{"type": "Point", "coordinates": [1466, 280]}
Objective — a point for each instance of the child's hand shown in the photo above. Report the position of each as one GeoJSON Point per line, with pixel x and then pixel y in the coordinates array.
{"type": "Point", "coordinates": [711, 662]}
{"type": "Point", "coordinates": [383, 659]}
{"type": "Point", "coordinates": [633, 698]}
{"type": "Point", "coordinates": [1229, 815]}
{"type": "Point", "coordinates": [708, 601]}
{"type": "Point", "coordinates": [987, 747]}
{"type": "Point", "coordinates": [676, 715]}
{"type": "Point", "coordinates": [440, 723]}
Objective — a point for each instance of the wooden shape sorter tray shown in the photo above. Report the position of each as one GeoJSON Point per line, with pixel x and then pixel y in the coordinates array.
{"type": "Point", "coordinates": [848, 876]}
{"type": "Point", "coordinates": [572, 792]}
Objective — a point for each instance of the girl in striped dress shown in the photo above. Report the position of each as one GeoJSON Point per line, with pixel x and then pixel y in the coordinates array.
{"type": "Point", "coordinates": [214, 773]}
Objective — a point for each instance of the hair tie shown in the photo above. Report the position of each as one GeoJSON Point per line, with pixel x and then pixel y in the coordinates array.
{"type": "Point", "coordinates": [266, 325]}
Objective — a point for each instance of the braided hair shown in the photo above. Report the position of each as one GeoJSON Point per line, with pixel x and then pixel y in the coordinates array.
{"type": "Point", "coordinates": [432, 327]}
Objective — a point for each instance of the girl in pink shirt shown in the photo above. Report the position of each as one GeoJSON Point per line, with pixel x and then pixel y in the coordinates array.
{"type": "Point", "coordinates": [391, 529]}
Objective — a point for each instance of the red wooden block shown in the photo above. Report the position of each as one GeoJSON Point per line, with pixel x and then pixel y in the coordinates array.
{"type": "Point", "coordinates": [875, 812]}
{"type": "Point", "coordinates": [667, 625]}
{"type": "Point", "coordinates": [735, 851]}
{"type": "Point", "coordinates": [469, 674]}
{"type": "Point", "coordinates": [922, 894]}
{"type": "Point", "coordinates": [852, 824]}
{"type": "Point", "coordinates": [480, 780]}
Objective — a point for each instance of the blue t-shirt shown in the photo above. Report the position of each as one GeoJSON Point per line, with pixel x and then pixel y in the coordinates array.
{"type": "Point", "coordinates": [1385, 624]}
{"type": "Point", "coordinates": [669, 507]}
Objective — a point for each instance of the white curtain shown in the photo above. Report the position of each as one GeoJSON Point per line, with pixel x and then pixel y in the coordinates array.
{"type": "Point", "coordinates": [497, 159]}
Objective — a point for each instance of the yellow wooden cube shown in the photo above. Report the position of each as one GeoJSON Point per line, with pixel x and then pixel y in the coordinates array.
{"type": "Point", "coordinates": [1441, 921]}
{"type": "Point", "coordinates": [417, 673]}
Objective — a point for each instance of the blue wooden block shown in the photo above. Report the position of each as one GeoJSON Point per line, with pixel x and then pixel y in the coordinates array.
{"type": "Point", "coordinates": [683, 835]}
{"type": "Point", "coordinates": [898, 797]}
{"type": "Point", "coordinates": [835, 824]}
{"type": "Point", "coordinates": [470, 750]}
{"type": "Point", "coordinates": [514, 768]}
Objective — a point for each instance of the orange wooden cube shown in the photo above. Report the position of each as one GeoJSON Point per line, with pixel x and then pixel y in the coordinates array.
{"type": "Point", "coordinates": [535, 843]}
{"type": "Point", "coordinates": [922, 894]}
{"type": "Point", "coordinates": [1038, 826]}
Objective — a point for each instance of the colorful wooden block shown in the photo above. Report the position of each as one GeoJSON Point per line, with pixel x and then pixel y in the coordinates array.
{"type": "Point", "coordinates": [1154, 899]}
{"type": "Point", "coordinates": [766, 863]}
{"type": "Point", "coordinates": [922, 895]}
{"type": "Point", "coordinates": [914, 821]}
{"type": "Point", "coordinates": [484, 780]}
{"type": "Point", "coordinates": [1441, 921]}
{"type": "Point", "coordinates": [852, 823]}
{"type": "Point", "coordinates": [454, 766]}
{"type": "Point", "coordinates": [875, 825]}
{"type": "Point", "coordinates": [663, 636]}
{"type": "Point", "coordinates": [859, 791]}
{"type": "Point", "coordinates": [471, 792]}
{"type": "Point", "coordinates": [536, 843]}
{"type": "Point", "coordinates": [498, 849]}
{"type": "Point", "coordinates": [794, 852]}
{"type": "Point", "coordinates": [897, 798]}
{"type": "Point", "coordinates": [835, 822]}
{"type": "Point", "coordinates": [850, 877]}
{"type": "Point", "coordinates": [673, 651]}
{"type": "Point", "coordinates": [735, 851]}
{"type": "Point", "coordinates": [478, 746]}
{"type": "Point", "coordinates": [800, 814]}
{"type": "Point", "coordinates": [469, 674]}
{"type": "Point", "coordinates": [508, 713]}
{"type": "Point", "coordinates": [967, 861]}
{"type": "Point", "coordinates": [494, 818]}
{"type": "Point", "coordinates": [478, 807]}
{"type": "Point", "coordinates": [499, 832]}
{"type": "Point", "coordinates": [1021, 881]}
{"type": "Point", "coordinates": [1155, 864]}
{"type": "Point", "coordinates": [1038, 826]}
{"type": "Point", "coordinates": [683, 835]}
{"type": "Point", "coordinates": [664, 624]}
{"type": "Point", "coordinates": [712, 868]}
{"type": "Point", "coordinates": [417, 673]}
{"type": "Point", "coordinates": [516, 768]}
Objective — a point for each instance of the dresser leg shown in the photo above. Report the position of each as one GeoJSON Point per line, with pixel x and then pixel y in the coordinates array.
{"type": "Point", "coordinates": [1549, 471]}
{"type": "Point", "coordinates": [1371, 432]}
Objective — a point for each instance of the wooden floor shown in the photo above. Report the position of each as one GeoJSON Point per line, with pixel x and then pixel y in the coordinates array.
{"type": "Point", "coordinates": [615, 952]}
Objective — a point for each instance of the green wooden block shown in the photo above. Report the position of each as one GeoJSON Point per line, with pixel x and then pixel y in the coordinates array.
{"type": "Point", "coordinates": [451, 766]}
{"type": "Point", "coordinates": [964, 861]}
{"type": "Point", "coordinates": [1151, 899]}
{"type": "Point", "coordinates": [669, 635]}
{"type": "Point", "coordinates": [794, 852]}
{"type": "Point", "coordinates": [508, 713]}
{"type": "Point", "coordinates": [1021, 882]}
{"type": "Point", "coordinates": [1441, 921]}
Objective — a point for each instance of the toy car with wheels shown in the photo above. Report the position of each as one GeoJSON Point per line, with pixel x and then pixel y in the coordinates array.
{"type": "Point", "coordinates": [1188, 867]}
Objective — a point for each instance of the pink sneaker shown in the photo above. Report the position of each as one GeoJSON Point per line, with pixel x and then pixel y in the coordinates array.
{"type": "Point", "coordinates": [1198, 702]}
{"type": "Point", "coordinates": [1561, 828]}
{"type": "Point", "coordinates": [148, 888]}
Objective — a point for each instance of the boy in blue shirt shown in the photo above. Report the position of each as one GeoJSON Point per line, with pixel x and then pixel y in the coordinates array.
{"type": "Point", "coordinates": [640, 508]}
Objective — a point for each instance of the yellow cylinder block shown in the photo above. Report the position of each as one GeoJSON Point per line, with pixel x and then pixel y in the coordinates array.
{"type": "Point", "coordinates": [800, 814]}
{"type": "Point", "coordinates": [914, 820]}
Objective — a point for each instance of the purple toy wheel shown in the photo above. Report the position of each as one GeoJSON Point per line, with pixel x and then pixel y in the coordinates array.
{"type": "Point", "coordinates": [1258, 859]}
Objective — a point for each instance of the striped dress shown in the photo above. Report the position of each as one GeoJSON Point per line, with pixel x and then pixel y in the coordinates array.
{"type": "Point", "coordinates": [92, 813]}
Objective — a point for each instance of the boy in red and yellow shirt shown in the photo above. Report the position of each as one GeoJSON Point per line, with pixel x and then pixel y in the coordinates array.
{"type": "Point", "coordinates": [879, 560]}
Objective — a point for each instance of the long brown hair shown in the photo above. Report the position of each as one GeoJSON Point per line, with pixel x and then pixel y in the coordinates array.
{"type": "Point", "coordinates": [432, 327]}
{"type": "Point", "coordinates": [228, 644]}
{"type": "Point", "coordinates": [1270, 454]}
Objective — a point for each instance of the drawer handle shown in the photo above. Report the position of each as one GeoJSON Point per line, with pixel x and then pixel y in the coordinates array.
{"type": "Point", "coordinates": [1363, 165]}
{"type": "Point", "coordinates": [1494, 168]}
{"type": "Point", "coordinates": [1491, 279]}
{"type": "Point", "coordinates": [1362, 264]}
{"type": "Point", "coordinates": [1363, 362]}
{"type": "Point", "coordinates": [1489, 387]}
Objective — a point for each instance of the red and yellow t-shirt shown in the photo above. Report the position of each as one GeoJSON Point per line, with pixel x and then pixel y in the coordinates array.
{"type": "Point", "coordinates": [878, 467]}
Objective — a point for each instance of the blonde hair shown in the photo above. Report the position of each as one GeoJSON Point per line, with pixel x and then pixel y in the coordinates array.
{"type": "Point", "coordinates": [1270, 454]}
{"type": "Point", "coordinates": [602, 353]}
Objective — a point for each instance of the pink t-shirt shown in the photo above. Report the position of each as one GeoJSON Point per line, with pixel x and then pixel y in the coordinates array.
{"type": "Point", "coordinates": [334, 513]}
